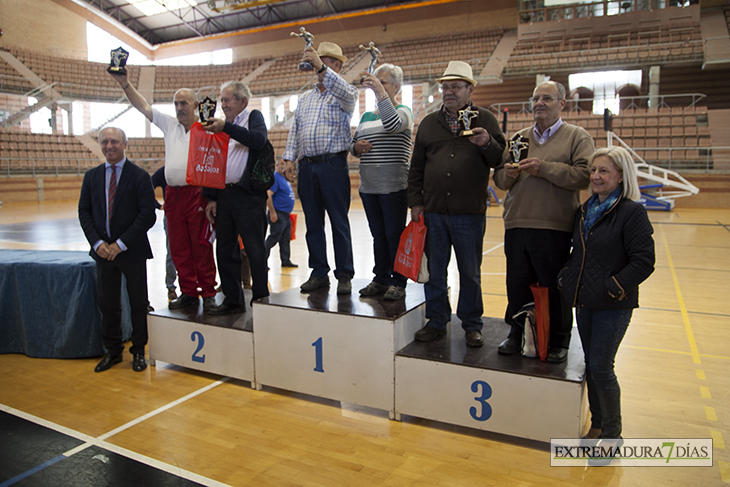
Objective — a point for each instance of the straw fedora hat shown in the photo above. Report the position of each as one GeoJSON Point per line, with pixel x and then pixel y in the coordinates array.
{"type": "Point", "coordinates": [458, 70]}
{"type": "Point", "coordinates": [330, 49]}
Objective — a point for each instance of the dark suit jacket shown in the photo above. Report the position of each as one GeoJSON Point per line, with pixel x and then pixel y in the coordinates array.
{"type": "Point", "coordinates": [133, 214]}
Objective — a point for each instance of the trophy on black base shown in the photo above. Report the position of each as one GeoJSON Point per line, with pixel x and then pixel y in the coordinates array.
{"type": "Point", "coordinates": [465, 117]}
{"type": "Point", "coordinates": [307, 37]}
{"type": "Point", "coordinates": [374, 55]}
{"type": "Point", "coordinates": [118, 61]}
{"type": "Point", "coordinates": [206, 110]}
{"type": "Point", "coordinates": [518, 147]}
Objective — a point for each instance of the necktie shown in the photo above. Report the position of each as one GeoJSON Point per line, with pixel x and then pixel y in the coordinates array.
{"type": "Point", "coordinates": [112, 190]}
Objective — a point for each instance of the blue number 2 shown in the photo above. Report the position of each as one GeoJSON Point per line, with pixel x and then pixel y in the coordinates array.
{"type": "Point", "coordinates": [201, 342]}
{"type": "Point", "coordinates": [486, 412]}
{"type": "Point", "coordinates": [318, 355]}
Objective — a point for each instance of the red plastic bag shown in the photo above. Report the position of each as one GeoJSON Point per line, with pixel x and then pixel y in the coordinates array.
{"type": "Point", "coordinates": [410, 250]}
{"type": "Point", "coordinates": [542, 319]}
{"type": "Point", "coordinates": [207, 158]}
{"type": "Point", "coordinates": [293, 218]}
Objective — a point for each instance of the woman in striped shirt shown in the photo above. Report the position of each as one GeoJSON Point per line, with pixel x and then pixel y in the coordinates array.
{"type": "Point", "coordinates": [382, 141]}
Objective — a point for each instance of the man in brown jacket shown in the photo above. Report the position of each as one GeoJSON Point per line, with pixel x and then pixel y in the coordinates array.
{"type": "Point", "coordinates": [447, 185]}
{"type": "Point", "coordinates": [544, 191]}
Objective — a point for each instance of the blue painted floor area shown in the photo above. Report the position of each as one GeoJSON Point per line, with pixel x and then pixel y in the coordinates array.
{"type": "Point", "coordinates": [31, 455]}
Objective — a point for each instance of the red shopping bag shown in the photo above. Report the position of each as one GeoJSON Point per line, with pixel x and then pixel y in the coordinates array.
{"type": "Point", "coordinates": [410, 250]}
{"type": "Point", "coordinates": [293, 218]}
{"type": "Point", "coordinates": [542, 319]}
{"type": "Point", "coordinates": [207, 158]}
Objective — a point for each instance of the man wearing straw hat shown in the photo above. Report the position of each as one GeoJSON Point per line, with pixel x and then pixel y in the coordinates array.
{"type": "Point", "coordinates": [319, 138]}
{"type": "Point", "coordinates": [447, 185]}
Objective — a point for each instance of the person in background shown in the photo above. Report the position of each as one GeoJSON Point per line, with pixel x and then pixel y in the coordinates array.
{"type": "Point", "coordinates": [158, 181]}
{"type": "Point", "coordinates": [280, 203]}
{"type": "Point", "coordinates": [382, 141]}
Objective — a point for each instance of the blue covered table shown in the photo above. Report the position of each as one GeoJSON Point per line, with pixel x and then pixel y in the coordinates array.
{"type": "Point", "coordinates": [49, 304]}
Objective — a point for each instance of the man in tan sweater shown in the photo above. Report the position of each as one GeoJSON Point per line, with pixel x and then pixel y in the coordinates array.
{"type": "Point", "coordinates": [543, 194]}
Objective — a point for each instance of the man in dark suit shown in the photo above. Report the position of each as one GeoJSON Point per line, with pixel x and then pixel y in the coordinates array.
{"type": "Point", "coordinates": [116, 208]}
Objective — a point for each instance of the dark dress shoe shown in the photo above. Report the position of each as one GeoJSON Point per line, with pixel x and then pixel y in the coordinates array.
{"type": "Point", "coordinates": [183, 301]}
{"type": "Point", "coordinates": [344, 285]}
{"type": "Point", "coordinates": [314, 283]}
{"type": "Point", "coordinates": [474, 338]}
{"type": "Point", "coordinates": [107, 362]}
{"type": "Point", "coordinates": [427, 334]}
{"type": "Point", "coordinates": [557, 355]}
{"type": "Point", "coordinates": [226, 309]}
{"type": "Point", "coordinates": [509, 346]}
{"type": "Point", "coordinates": [139, 363]}
{"type": "Point", "coordinates": [289, 264]}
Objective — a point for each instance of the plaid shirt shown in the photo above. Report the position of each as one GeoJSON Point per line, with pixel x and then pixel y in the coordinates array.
{"type": "Point", "coordinates": [454, 123]}
{"type": "Point", "coordinates": [322, 121]}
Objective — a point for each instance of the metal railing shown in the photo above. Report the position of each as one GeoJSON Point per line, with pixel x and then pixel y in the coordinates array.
{"type": "Point", "coordinates": [530, 13]}
{"type": "Point", "coordinates": [634, 102]}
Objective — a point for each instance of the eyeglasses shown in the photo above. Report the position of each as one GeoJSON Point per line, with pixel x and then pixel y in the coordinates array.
{"type": "Point", "coordinates": [545, 99]}
{"type": "Point", "coordinates": [452, 88]}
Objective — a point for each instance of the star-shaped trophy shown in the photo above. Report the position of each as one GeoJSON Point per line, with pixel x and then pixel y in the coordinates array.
{"type": "Point", "coordinates": [465, 117]}
{"type": "Point", "coordinates": [518, 147]}
{"type": "Point", "coordinates": [307, 38]}
{"type": "Point", "coordinates": [118, 61]}
{"type": "Point", "coordinates": [206, 110]}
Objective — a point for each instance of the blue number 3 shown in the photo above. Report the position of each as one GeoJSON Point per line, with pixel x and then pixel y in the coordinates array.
{"type": "Point", "coordinates": [201, 342]}
{"type": "Point", "coordinates": [486, 412]}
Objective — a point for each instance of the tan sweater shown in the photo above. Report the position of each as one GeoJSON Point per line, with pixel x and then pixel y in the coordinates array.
{"type": "Point", "coordinates": [548, 200]}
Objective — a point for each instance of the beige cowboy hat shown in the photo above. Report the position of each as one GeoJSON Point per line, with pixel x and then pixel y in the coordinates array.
{"type": "Point", "coordinates": [457, 70]}
{"type": "Point", "coordinates": [330, 49]}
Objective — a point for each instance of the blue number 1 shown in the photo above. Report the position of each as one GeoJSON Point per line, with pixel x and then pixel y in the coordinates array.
{"type": "Point", "coordinates": [201, 342]}
{"type": "Point", "coordinates": [318, 355]}
{"type": "Point", "coordinates": [486, 394]}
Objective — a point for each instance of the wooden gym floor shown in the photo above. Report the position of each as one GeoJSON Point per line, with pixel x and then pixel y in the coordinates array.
{"type": "Point", "coordinates": [171, 426]}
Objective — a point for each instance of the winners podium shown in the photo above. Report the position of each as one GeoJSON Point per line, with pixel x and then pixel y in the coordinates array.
{"type": "Point", "coordinates": [361, 350]}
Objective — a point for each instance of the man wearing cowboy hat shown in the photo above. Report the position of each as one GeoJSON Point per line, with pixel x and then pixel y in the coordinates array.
{"type": "Point", "coordinates": [319, 139]}
{"type": "Point", "coordinates": [447, 185]}
{"type": "Point", "coordinates": [543, 194]}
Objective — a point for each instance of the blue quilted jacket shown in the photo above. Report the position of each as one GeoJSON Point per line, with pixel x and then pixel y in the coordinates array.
{"type": "Point", "coordinates": [605, 269]}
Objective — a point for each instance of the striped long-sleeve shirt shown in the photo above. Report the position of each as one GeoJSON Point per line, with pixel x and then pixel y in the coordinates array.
{"type": "Point", "coordinates": [384, 169]}
{"type": "Point", "coordinates": [322, 121]}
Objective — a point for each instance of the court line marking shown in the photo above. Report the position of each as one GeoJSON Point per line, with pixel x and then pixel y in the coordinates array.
{"type": "Point", "coordinates": [685, 316]}
{"type": "Point", "coordinates": [101, 442]}
{"type": "Point", "coordinates": [679, 352]}
{"type": "Point", "coordinates": [493, 248]}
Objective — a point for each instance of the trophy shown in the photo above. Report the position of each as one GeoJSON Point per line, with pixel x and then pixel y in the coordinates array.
{"type": "Point", "coordinates": [465, 117]}
{"type": "Point", "coordinates": [374, 55]}
{"type": "Point", "coordinates": [118, 61]}
{"type": "Point", "coordinates": [518, 147]}
{"type": "Point", "coordinates": [206, 110]}
{"type": "Point", "coordinates": [307, 37]}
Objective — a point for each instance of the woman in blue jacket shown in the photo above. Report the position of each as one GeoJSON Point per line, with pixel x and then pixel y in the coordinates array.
{"type": "Point", "coordinates": [613, 252]}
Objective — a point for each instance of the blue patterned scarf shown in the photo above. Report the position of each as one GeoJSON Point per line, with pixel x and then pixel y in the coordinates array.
{"type": "Point", "coordinates": [594, 209]}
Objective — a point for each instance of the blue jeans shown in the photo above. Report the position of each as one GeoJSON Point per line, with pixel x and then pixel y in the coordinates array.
{"type": "Point", "coordinates": [386, 215]}
{"type": "Point", "coordinates": [170, 272]}
{"type": "Point", "coordinates": [280, 233]}
{"type": "Point", "coordinates": [465, 233]}
{"type": "Point", "coordinates": [601, 333]}
{"type": "Point", "coordinates": [325, 186]}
